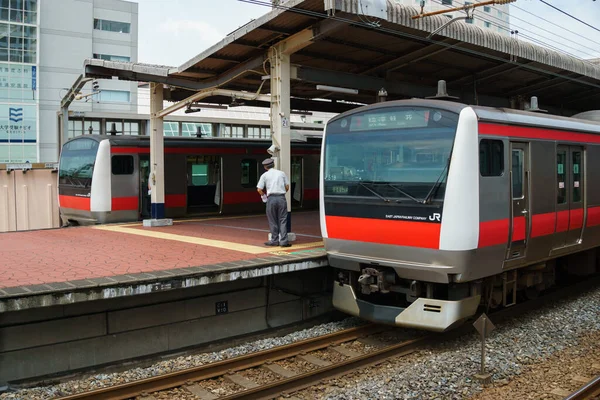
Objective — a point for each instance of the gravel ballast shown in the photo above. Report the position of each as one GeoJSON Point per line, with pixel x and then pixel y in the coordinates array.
{"type": "Point", "coordinates": [97, 381]}
{"type": "Point", "coordinates": [445, 370]}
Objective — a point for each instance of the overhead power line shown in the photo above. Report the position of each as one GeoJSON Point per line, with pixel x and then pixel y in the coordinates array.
{"type": "Point", "coordinates": [566, 13]}
{"type": "Point", "coordinates": [418, 38]}
{"type": "Point", "coordinates": [551, 23]}
{"type": "Point", "coordinates": [484, 17]}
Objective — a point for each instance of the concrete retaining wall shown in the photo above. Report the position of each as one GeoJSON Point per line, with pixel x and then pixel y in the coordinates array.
{"type": "Point", "coordinates": [56, 340]}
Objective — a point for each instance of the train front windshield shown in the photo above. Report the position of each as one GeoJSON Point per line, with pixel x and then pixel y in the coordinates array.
{"type": "Point", "coordinates": [77, 163]}
{"type": "Point", "coordinates": [396, 153]}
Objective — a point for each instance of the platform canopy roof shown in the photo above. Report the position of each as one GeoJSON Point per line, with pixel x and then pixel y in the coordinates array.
{"type": "Point", "coordinates": [345, 47]}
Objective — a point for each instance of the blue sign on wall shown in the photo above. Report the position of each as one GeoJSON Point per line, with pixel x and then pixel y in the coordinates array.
{"type": "Point", "coordinates": [33, 77]}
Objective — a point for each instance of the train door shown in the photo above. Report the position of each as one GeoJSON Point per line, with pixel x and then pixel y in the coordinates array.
{"type": "Point", "coordinates": [297, 181]}
{"type": "Point", "coordinates": [145, 198]}
{"type": "Point", "coordinates": [569, 196]}
{"type": "Point", "coordinates": [576, 207]}
{"type": "Point", "coordinates": [203, 184]}
{"type": "Point", "coordinates": [519, 190]}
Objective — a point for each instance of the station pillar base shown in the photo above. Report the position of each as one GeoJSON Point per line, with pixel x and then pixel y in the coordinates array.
{"type": "Point", "coordinates": [158, 222]}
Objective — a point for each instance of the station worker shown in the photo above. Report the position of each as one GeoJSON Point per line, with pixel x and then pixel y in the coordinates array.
{"type": "Point", "coordinates": [272, 187]}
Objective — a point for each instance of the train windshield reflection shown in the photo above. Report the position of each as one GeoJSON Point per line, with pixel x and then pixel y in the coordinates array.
{"type": "Point", "coordinates": [77, 162]}
{"type": "Point", "coordinates": [411, 154]}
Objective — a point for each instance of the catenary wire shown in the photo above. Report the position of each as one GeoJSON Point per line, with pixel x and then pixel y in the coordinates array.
{"type": "Point", "coordinates": [419, 38]}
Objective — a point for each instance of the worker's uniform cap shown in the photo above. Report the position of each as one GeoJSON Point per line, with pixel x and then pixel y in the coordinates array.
{"type": "Point", "coordinates": [268, 161]}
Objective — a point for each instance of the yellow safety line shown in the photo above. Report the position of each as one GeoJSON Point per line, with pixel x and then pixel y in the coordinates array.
{"type": "Point", "coordinates": [244, 248]}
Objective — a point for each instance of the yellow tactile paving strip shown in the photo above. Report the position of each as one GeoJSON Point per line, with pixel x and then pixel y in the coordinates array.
{"type": "Point", "coordinates": [244, 248]}
{"type": "Point", "coordinates": [221, 244]}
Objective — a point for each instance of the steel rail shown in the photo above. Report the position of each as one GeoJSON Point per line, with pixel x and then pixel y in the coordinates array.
{"type": "Point", "coordinates": [215, 369]}
{"type": "Point", "coordinates": [587, 391]}
{"type": "Point", "coordinates": [307, 379]}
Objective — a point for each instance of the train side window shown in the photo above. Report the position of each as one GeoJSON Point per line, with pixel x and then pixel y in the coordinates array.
{"type": "Point", "coordinates": [122, 165]}
{"type": "Point", "coordinates": [576, 176]}
{"type": "Point", "coordinates": [517, 173]}
{"type": "Point", "coordinates": [561, 194]}
{"type": "Point", "coordinates": [199, 174]}
{"type": "Point", "coordinates": [249, 173]}
{"type": "Point", "coordinates": [491, 157]}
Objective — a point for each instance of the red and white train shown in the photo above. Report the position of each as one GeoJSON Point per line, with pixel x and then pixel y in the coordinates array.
{"type": "Point", "coordinates": [104, 179]}
{"type": "Point", "coordinates": [430, 208]}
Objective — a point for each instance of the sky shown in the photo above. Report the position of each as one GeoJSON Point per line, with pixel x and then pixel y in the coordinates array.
{"type": "Point", "coordinates": [172, 32]}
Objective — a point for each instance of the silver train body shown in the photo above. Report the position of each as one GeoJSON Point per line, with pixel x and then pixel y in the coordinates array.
{"type": "Point", "coordinates": [104, 179]}
{"type": "Point", "coordinates": [430, 209]}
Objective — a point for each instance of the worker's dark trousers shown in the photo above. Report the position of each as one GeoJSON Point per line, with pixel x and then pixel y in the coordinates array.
{"type": "Point", "coordinates": [277, 216]}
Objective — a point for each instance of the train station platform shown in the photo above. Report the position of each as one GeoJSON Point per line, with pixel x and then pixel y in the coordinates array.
{"type": "Point", "coordinates": [77, 264]}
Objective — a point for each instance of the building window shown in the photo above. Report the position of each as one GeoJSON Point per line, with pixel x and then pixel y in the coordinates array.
{"type": "Point", "coordinates": [109, 57]}
{"type": "Point", "coordinates": [487, 24]}
{"type": "Point", "coordinates": [499, 13]}
{"type": "Point", "coordinates": [78, 127]}
{"type": "Point", "coordinates": [469, 20]}
{"type": "Point", "coordinates": [18, 43]}
{"type": "Point", "coordinates": [447, 2]}
{"type": "Point", "coordinates": [190, 129]}
{"type": "Point", "coordinates": [487, 9]}
{"type": "Point", "coordinates": [131, 128]}
{"type": "Point", "coordinates": [21, 11]}
{"type": "Point", "coordinates": [249, 173]}
{"type": "Point", "coordinates": [448, 16]}
{"type": "Point", "coordinates": [170, 128]}
{"type": "Point", "coordinates": [231, 131]}
{"type": "Point", "coordinates": [122, 165]}
{"type": "Point", "coordinates": [111, 26]}
{"type": "Point", "coordinates": [114, 96]}
{"type": "Point", "coordinates": [491, 157]}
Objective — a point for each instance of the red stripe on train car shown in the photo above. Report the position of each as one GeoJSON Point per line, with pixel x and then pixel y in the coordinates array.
{"type": "Point", "coordinates": [562, 221]}
{"type": "Point", "coordinates": [400, 233]}
{"type": "Point", "coordinates": [178, 150]}
{"type": "Point", "coordinates": [241, 197]}
{"type": "Point", "coordinates": [536, 133]}
{"type": "Point", "coordinates": [492, 233]}
{"type": "Point", "coordinates": [311, 194]}
{"type": "Point", "coordinates": [175, 200]}
{"type": "Point", "coordinates": [130, 150]}
{"type": "Point", "coordinates": [75, 202]}
{"type": "Point", "coordinates": [543, 224]}
{"type": "Point", "coordinates": [593, 216]}
{"type": "Point", "coordinates": [204, 150]}
{"type": "Point", "coordinates": [518, 228]}
{"type": "Point", "coordinates": [576, 219]}
{"type": "Point", "coordinates": [130, 203]}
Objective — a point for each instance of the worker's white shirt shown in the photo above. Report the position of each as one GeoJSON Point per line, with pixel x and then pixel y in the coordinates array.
{"type": "Point", "coordinates": [274, 180]}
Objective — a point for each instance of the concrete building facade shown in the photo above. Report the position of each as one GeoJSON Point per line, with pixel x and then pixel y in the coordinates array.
{"type": "Point", "coordinates": [490, 18]}
{"type": "Point", "coordinates": [42, 48]}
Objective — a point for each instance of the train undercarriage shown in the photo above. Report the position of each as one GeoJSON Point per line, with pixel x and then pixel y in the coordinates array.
{"type": "Point", "coordinates": [378, 294]}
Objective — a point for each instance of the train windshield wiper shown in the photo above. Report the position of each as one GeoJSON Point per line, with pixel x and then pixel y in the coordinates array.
{"type": "Point", "coordinates": [437, 184]}
{"type": "Point", "coordinates": [405, 193]}
{"type": "Point", "coordinates": [372, 191]}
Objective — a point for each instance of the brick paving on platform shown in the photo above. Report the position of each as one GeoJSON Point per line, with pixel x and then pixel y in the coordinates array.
{"type": "Point", "coordinates": [81, 253]}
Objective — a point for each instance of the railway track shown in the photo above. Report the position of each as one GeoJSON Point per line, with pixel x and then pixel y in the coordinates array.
{"type": "Point", "coordinates": [590, 390]}
{"type": "Point", "coordinates": [288, 381]}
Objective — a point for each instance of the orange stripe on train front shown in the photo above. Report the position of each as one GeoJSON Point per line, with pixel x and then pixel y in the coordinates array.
{"type": "Point", "coordinates": [400, 233]}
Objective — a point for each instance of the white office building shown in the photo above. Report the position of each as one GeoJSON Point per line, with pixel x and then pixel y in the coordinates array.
{"type": "Point", "coordinates": [494, 18]}
{"type": "Point", "coordinates": [42, 47]}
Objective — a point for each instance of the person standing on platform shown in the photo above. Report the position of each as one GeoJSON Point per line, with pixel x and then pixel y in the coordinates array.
{"type": "Point", "coordinates": [275, 183]}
